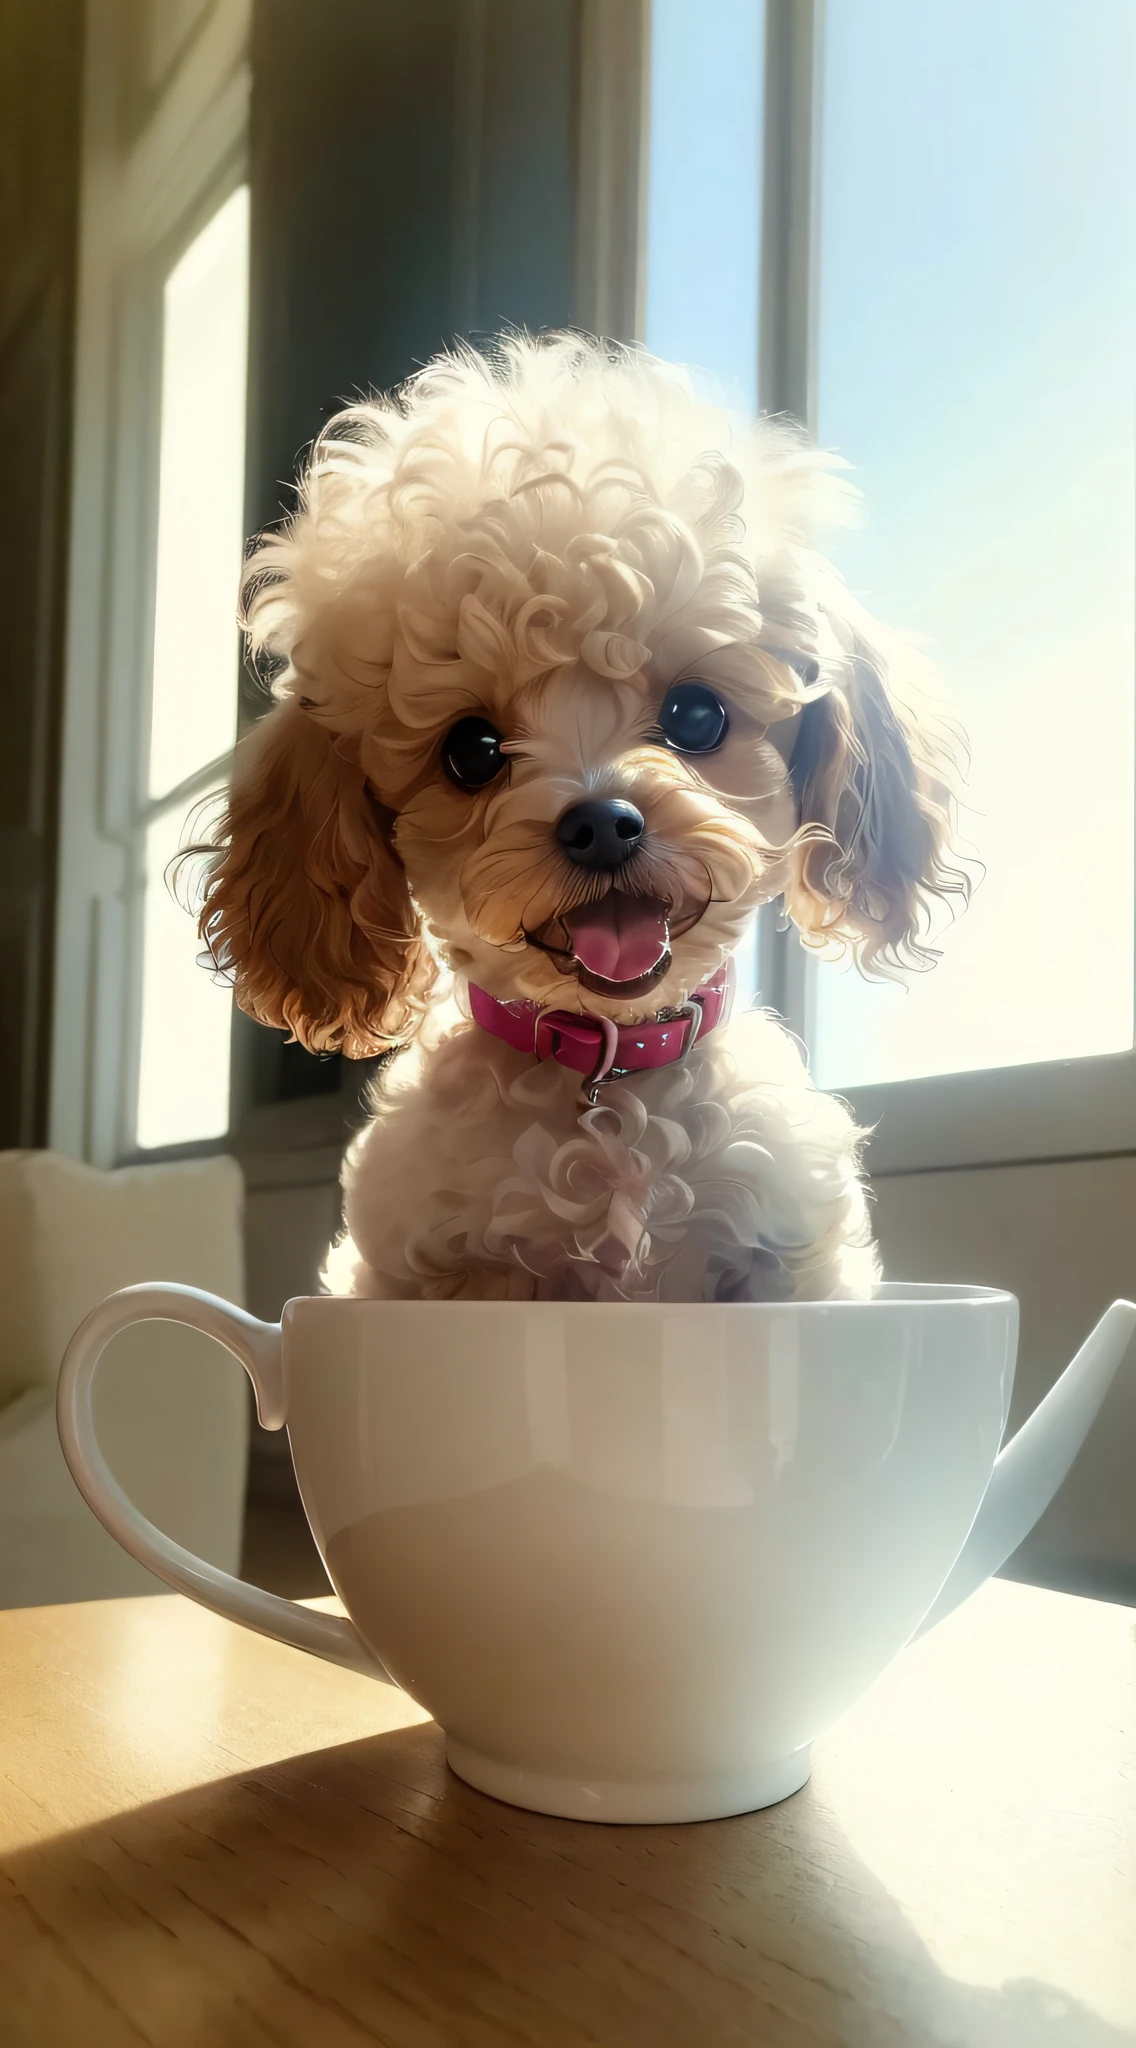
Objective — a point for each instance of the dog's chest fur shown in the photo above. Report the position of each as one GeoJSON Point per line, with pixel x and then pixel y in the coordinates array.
{"type": "Point", "coordinates": [728, 1177]}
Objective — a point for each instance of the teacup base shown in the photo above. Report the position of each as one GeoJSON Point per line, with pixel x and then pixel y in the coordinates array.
{"type": "Point", "coordinates": [636, 1803]}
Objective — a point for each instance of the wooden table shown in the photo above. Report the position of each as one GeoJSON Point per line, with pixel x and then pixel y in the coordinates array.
{"type": "Point", "coordinates": [207, 1841]}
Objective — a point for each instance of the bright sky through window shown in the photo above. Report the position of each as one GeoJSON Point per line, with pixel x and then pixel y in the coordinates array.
{"type": "Point", "coordinates": [976, 329]}
{"type": "Point", "coordinates": [704, 189]}
{"type": "Point", "coordinates": [200, 499]}
{"type": "Point", "coordinates": [183, 1081]}
{"type": "Point", "coordinates": [975, 318]}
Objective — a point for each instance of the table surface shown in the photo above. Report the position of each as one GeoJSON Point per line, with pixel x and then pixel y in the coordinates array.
{"type": "Point", "coordinates": [209, 1841]}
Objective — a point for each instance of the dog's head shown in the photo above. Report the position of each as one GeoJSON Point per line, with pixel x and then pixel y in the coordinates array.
{"type": "Point", "coordinates": [565, 695]}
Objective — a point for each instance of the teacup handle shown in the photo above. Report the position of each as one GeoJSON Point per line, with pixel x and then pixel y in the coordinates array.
{"type": "Point", "coordinates": [258, 1347]}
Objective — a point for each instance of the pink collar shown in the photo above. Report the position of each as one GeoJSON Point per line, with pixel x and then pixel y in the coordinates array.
{"type": "Point", "coordinates": [595, 1046]}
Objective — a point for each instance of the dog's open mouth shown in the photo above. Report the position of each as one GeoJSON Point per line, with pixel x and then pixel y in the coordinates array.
{"type": "Point", "coordinates": [618, 947]}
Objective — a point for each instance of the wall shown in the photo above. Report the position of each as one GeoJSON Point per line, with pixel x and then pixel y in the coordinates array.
{"type": "Point", "coordinates": [39, 130]}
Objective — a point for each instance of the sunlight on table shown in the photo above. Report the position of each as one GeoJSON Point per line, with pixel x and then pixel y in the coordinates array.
{"type": "Point", "coordinates": [967, 1819]}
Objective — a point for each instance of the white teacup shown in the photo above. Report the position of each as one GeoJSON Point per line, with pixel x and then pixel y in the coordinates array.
{"type": "Point", "coordinates": [633, 1558]}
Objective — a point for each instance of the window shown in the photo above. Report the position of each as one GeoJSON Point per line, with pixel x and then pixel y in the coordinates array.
{"type": "Point", "coordinates": [703, 189]}
{"type": "Point", "coordinates": [975, 340]}
{"type": "Point", "coordinates": [140, 1054]}
{"type": "Point", "coordinates": [949, 294]}
{"type": "Point", "coordinates": [183, 1068]}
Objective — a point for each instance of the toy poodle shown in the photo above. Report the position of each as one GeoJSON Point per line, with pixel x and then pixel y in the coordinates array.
{"type": "Point", "coordinates": [565, 693]}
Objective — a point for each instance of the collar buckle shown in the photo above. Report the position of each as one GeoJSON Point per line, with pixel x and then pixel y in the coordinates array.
{"type": "Point", "coordinates": [604, 1069]}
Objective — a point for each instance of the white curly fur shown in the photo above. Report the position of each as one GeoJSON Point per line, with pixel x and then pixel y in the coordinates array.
{"type": "Point", "coordinates": [551, 537]}
{"type": "Point", "coordinates": [727, 1178]}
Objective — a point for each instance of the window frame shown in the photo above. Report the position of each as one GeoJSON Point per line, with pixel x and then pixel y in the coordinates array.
{"type": "Point", "coordinates": [142, 200]}
{"type": "Point", "coordinates": [145, 195]}
{"type": "Point", "coordinates": [1044, 1110]}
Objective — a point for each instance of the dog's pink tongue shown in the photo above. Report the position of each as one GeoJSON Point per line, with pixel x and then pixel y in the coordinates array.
{"type": "Point", "coordinates": [621, 937]}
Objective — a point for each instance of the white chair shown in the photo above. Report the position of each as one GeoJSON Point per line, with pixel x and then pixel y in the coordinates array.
{"type": "Point", "coordinates": [172, 1409]}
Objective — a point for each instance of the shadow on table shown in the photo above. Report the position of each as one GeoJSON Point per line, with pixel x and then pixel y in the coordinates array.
{"type": "Point", "coordinates": [364, 1894]}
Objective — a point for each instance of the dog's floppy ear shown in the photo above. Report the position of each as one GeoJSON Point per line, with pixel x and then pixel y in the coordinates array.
{"type": "Point", "coordinates": [306, 904]}
{"type": "Point", "coordinates": [874, 776]}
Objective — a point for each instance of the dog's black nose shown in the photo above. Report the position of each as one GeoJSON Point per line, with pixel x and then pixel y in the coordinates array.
{"type": "Point", "coordinates": [602, 833]}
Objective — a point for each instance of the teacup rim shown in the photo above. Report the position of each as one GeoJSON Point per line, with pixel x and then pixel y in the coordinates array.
{"type": "Point", "coordinates": [890, 1294]}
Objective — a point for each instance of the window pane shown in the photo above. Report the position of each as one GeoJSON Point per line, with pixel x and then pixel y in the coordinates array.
{"type": "Point", "coordinates": [200, 499]}
{"type": "Point", "coordinates": [703, 213]}
{"type": "Point", "coordinates": [183, 1080]}
{"type": "Point", "coordinates": [975, 352]}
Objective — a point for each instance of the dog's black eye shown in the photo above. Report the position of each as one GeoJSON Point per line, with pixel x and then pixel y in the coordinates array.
{"type": "Point", "coordinates": [693, 720]}
{"type": "Point", "coordinates": [471, 753]}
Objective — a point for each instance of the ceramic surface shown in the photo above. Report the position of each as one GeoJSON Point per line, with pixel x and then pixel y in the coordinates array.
{"type": "Point", "coordinates": [630, 1548]}
{"type": "Point", "coordinates": [633, 1558]}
